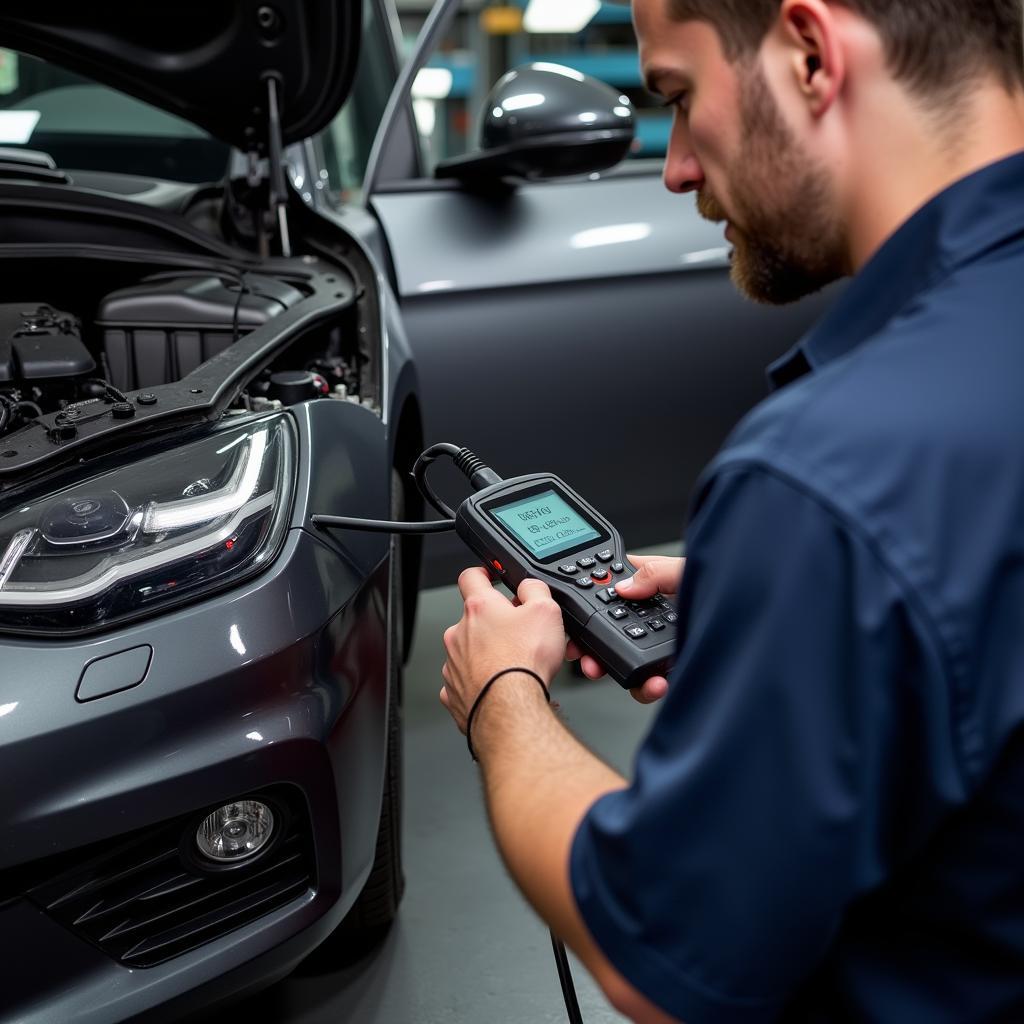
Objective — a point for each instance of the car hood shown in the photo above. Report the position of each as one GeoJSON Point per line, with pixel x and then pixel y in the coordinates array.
{"type": "Point", "coordinates": [207, 62]}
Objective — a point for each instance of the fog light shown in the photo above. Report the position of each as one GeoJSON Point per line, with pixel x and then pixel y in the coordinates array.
{"type": "Point", "coordinates": [235, 831]}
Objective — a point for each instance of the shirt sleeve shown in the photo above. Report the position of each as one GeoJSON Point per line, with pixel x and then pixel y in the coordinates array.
{"type": "Point", "coordinates": [804, 749]}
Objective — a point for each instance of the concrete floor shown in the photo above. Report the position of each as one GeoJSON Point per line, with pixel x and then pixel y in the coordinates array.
{"type": "Point", "coordinates": [466, 947]}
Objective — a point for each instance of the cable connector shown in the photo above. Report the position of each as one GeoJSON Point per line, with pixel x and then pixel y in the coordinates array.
{"type": "Point", "coordinates": [475, 470]}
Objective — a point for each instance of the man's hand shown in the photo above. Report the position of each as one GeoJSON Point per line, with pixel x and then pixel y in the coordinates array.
{"type": "Point", "coordinates": [655, 574]}
{"type": "Point", "coordinates": [493, 634]}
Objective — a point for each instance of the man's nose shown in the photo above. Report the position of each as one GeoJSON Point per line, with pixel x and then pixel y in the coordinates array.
{"type": "Point", "coordinates": [683, 171]}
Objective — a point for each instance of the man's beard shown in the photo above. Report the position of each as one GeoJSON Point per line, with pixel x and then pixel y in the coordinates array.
{"type": "Point", "coordinates": [791, 243]}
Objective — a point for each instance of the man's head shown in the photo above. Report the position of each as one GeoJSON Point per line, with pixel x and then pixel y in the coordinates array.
{"type": "Point", "coordinates": [784, 108]}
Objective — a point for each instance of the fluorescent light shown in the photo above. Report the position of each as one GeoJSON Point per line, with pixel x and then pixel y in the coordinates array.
{"type": "Point", "coordinates": [433, 84]}
{"type": "Point", "coordinates": [17, 126]}
{"type": "Point", "coordinates": [614, 234]}
{"type": "Point", "coordinates": [560, 16]}
{"type": "Point", "coordinates": [425, 112]}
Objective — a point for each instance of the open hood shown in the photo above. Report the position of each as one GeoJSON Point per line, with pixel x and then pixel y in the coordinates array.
{"type": "Point", "coordinates": [208, 62]}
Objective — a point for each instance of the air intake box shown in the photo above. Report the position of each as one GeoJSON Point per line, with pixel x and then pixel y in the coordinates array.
{"type": "Point", "coordinates": [161, 330]}
{"type": "Point", "coordinates": [40, 344]}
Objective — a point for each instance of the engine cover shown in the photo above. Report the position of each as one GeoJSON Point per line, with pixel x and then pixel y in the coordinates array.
{"type": "Point", "coordinates": [39, 344]}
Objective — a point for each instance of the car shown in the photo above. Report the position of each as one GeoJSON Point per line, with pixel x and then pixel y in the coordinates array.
{"type": "Point", "coordinates": [200, 732]}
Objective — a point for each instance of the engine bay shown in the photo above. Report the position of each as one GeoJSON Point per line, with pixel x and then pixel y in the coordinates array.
{"type": "Point", "coordinates": [75, 358]}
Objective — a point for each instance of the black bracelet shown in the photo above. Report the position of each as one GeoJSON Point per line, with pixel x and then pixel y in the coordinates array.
{"type": "Point", "coordinates": [483, 693]}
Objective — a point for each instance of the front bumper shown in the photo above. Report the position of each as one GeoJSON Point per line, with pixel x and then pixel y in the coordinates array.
{"type": "Point", "coordinates": [282, 682]}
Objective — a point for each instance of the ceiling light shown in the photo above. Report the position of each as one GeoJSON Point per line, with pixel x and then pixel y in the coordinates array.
{"type": "Point", "coordinates": [433, 84]}
{"type": "Point", "coordinates": [560, 16]}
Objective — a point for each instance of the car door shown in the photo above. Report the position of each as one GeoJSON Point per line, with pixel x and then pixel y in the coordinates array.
{"type": "Point", "coordinates": [584, 326]}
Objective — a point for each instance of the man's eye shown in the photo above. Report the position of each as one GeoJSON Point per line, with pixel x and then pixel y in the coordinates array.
{"type": "Point", "coordinates": [681, 101]}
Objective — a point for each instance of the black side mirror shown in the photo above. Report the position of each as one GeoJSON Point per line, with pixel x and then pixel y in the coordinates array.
{"type": "Point", "coordinates": [546, 121]}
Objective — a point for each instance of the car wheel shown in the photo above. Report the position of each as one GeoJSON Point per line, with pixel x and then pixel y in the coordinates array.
{"type": "Point", "coordinates": [377, 905]}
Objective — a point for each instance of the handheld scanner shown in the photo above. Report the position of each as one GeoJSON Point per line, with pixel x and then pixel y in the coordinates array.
{"type": "Point", "coordinates": [538, 527]}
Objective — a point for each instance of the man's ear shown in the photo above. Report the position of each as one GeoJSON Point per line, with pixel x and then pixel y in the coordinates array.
{"type": "Point", "coordinates": [811, 36]}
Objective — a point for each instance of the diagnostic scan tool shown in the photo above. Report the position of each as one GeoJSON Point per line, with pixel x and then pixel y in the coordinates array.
{"type": "Point", "coordinates": [537, 526]}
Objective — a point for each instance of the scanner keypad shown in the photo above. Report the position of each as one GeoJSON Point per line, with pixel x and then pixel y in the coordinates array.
{"type": "Point", "coordinates": [641, 620]}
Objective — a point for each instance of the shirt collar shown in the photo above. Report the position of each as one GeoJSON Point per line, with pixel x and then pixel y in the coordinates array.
{"type": "Point", "coordinates": [968, 219]}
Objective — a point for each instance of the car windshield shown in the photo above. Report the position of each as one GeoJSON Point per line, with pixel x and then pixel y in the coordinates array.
{"type": "Point", "coordinates": [89, 127]}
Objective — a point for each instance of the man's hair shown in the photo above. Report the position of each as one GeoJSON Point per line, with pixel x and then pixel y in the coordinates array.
{"type": "Point", "coordinates": [931, 45]}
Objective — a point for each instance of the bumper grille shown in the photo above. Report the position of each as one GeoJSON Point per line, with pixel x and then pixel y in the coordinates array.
{"type": "Point", "coordinates": [142, 905]}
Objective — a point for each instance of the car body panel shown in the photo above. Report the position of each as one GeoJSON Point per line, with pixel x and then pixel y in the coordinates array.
{"type": "Point", "coordinates": [584, 328]}
{"type": "Point", "coordinates": [283, 680]}
{"type": "Point", "coordinates": [180, 57]}
{"type": "Point", "coordinates": [628, 226]}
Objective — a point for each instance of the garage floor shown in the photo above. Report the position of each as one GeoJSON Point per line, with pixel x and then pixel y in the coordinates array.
{"type": "Point", "coordinates": [465, 948]}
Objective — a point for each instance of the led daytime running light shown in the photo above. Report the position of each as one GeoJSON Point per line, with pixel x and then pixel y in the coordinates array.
{"type": "Point", "coordinates": [177, 515]}
{"type": "Point", "coordinates": [12, 556]}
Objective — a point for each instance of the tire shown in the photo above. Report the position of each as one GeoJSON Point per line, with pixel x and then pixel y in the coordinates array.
{"type": "Point", "coordinates": [376, 907]}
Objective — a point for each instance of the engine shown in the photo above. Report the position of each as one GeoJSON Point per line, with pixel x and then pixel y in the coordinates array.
{"type": "Point", "coordinates": [156, 332]}
{"type": "Point", "coordinates": [44, 364]}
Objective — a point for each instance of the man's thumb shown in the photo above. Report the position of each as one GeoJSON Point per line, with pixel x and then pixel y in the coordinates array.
{"type": "Point", "coordinates": [643, 584]}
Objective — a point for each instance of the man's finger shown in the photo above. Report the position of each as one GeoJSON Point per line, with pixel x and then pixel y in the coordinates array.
{"type": "Point", "coordinates": [475, 581]}
{"type": "Point", "coordinates": [652, 691]}
{"type": "Point", "coordinates": [592, 668]}
{"type": "Point", "coordinates": [656, 574]}
{"type": "Point", "coordinates": [533, 590]}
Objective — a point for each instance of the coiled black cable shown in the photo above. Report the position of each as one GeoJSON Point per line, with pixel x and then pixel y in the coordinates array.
{"type": "Point", "coordinates": [474, 469]}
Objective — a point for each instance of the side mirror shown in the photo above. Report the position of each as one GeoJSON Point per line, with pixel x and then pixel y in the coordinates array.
{"type": "Point", "coordinates": [546, 121]}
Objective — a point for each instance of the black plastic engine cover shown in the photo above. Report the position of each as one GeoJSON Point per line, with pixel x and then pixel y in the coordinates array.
{"type": "Point", "coordinates": [39, 343]}
{"type": "Point", "coordinates": [161, 330]}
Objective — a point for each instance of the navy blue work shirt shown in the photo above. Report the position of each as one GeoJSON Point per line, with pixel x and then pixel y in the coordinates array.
{"type": "Point", "coordinates": [827, 817]}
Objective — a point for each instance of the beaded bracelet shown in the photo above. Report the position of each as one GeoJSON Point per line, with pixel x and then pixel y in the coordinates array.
{"type": "Point", "coordinates": [483, 693]}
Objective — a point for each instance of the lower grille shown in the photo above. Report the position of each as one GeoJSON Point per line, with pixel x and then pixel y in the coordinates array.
{"type": "Point", "coordinates": [142, 905]}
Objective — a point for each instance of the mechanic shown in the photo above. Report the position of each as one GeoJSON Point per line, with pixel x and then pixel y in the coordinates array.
{"type": "Point", "coordinates": [827, 818]}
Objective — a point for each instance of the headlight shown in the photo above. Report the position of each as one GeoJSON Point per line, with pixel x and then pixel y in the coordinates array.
{"type": "Point", "coordinates": [150, 533]}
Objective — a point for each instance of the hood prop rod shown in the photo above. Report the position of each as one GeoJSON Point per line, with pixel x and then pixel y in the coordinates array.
{"type": "Point", "coordinates": [275, 155]}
